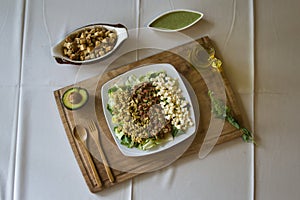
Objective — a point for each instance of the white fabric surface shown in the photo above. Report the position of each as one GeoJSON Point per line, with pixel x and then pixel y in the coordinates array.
{"type": "Point", "coordinates": [45, 165]}
{"type": "Point", "coordinates": [277, 93]}
{"type": "Point", "coordinates": [43, 151]}
{"type": "Point", "coordinates": [259, 49]}
{"type": "Point", "coordinates": [192, 178]}
{"type": "Point", "coordinates": [11, 13]}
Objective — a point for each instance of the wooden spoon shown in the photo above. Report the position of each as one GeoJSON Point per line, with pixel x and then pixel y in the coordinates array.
{"type": "Point", "coordinates": [80, 134]}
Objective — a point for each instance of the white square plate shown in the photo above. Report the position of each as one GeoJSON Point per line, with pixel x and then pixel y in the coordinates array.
{"type": "Point", "coordinates": [171, 71]}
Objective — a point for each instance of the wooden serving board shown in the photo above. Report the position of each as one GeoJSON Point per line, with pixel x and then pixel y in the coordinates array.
{"type": "Point", "coordinates": [125, 168]}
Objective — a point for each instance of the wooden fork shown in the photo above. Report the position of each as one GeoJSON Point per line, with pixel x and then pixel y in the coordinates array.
{"type": "Point", "coordinates": [93, 130]}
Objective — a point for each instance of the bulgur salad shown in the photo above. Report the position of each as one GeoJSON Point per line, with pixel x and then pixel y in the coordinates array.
{"type": "Point", "coordinates": [149, 110]}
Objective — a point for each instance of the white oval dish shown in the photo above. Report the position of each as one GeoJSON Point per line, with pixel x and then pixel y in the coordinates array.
{"type": "Point", "coordinates": [57, 50]}
{"type": "Point", "coordinates": [173, 11]}
{"type": "Point", "coordinates": [171, 71]}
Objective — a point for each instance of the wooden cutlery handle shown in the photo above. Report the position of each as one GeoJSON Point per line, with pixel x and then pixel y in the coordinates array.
{"type": "Point", "coordinates": [105, 163]}
{"type": "Point", "coordinates": [90, 166]}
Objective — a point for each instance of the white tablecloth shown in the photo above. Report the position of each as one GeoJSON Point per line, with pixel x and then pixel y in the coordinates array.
{"type": "Point", "coordinates": [11, 19]}
{"type": "Point", "coordinates": [258, 43]}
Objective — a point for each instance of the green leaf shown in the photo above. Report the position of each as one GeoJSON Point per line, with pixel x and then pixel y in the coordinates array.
{"type": "Point", "coordinates": [176, 131]}
{"type": "Point", "coordinates": [109, 108]}
{"type": "Point", "coordinates": [124, 87]}
{"type": "Point", "coordinates": [247, 136]}
{"type": "Point", "coordinates": [218, 107]}
{"type": "Point", "coordinates": [222, 111]}
{"type": "Point", "coordinates": [154, 74]}
{"type": "Point", "coordinates": [126, 141]}
{"type": "Point", "coordinates": [119, 133]}
{"type": "Point", "coordinates": [113, 89]}
{"type": "Point", "coordinates": [149, 143]}
{"type": "Point", "coordinates": [232, 121]}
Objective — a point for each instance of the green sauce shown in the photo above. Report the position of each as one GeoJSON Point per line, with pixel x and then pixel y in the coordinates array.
{"type": "Point", "coordinates": [175, 20]}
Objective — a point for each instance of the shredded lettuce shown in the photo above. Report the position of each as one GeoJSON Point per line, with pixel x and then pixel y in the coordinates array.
{"type": "Point", "coordinates": [112, 90]}
{"type": "Point", "coordinates": [149, 143]}
{"type": "Point", "coordinates": [126, 140]}
{"type": "Point", "coordinates": [176, 131]}
{"type": "Point", "coordinates": [109, 108]}
{"type": "Point", "coordinates": [116, 87]}
{"type": "Point", "coordinates": [146, 145]}
{"type": "Point", "coordinates": [144, 78]}
{"type": "Point", "coordinates": [152, 142]}
{"type": "Point", "coordinates": [118, 133]}
{"type": "Point", "coordinates": [131, 80]}
{"type": "Point", "coordinates": [154, 74]}
{"type": "Point", "coordinates": [114, 119]}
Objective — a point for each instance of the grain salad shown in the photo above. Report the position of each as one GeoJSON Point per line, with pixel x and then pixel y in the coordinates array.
{"type": "Point", "coordinates": [148, 110]}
